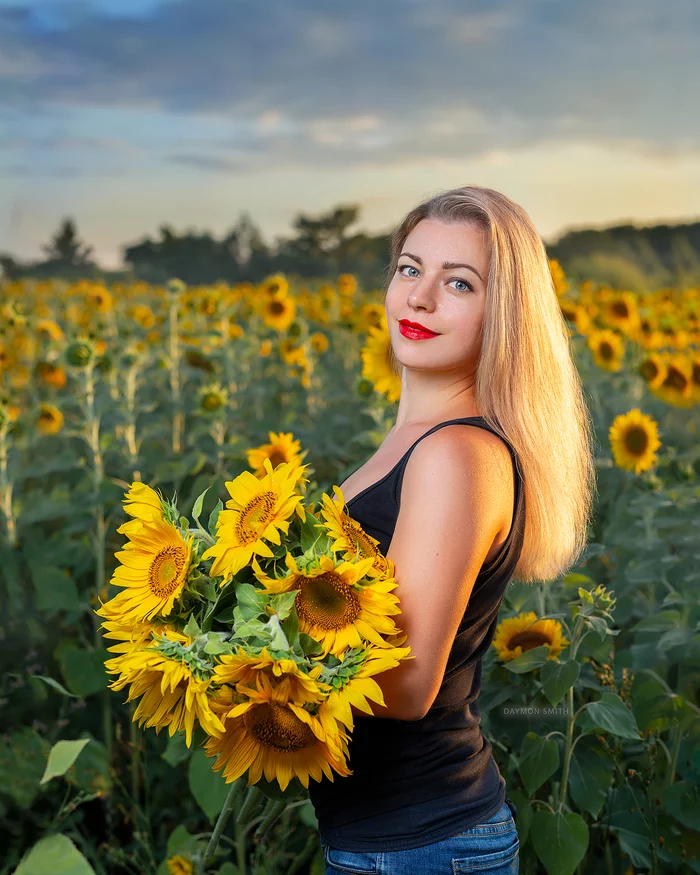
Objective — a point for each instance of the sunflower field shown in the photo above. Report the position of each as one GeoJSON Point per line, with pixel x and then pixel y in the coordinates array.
{"type": "Point", "coordinates": [134, 418]}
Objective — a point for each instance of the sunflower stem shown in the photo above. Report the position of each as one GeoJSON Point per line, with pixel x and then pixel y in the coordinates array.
{"type": "Point", "coordinates": [203, 534]}
{"type": "Point", "coordinates": [222, 820]}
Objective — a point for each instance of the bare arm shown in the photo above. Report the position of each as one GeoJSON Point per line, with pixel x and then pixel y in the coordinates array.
{"type": "Point", "coordinates": [457, 495]}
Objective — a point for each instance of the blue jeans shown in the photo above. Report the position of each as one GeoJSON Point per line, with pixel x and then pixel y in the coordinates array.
{"type": "Point", "coordinates": [490, 848]}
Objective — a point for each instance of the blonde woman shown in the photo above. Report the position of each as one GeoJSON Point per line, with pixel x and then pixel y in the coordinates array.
{"type": "Point", "coordinates": [486, 475]}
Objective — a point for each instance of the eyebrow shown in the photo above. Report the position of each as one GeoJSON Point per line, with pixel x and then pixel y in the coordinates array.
{"type": "Point", "coordinates": [446, 265]}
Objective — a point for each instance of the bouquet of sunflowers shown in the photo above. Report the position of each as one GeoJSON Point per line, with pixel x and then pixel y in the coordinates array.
{"type": "Point", "coordinates": [262, 628]}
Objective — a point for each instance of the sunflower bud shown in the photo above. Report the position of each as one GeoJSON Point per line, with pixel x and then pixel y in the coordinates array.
{"type": "Point", "coordinates": [81, 354]}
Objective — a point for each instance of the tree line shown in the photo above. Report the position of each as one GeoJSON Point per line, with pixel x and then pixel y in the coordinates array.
{"type": "Point", "coordinates": [625, 256]}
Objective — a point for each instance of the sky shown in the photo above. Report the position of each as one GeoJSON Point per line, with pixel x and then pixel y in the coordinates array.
{"type": "Point", "coordinates": [130, 114]}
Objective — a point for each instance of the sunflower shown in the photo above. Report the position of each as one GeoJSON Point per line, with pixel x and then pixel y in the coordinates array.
{"type": "Point", "coordinates": [621, 313]}
{"type": "Point", "coordinates": [275, 286]}
{"type": "Point", "coordinates": [144, 504]}
{"type": "Point", "coordinates": [576, 314]}
{"type": "Point", "coordinates": [361, 687]}
{"type": "Point", "coordinates": [154, 568]}
{"type": "Point", "coordinates": [292, 350]}
{"type": "Point", "coordinates": [142, 315]}
{"type": "Point", "coordinates": [49, 329]}
{"type": "Point", "coordinates": [99, 298]}
{"type": "Point", "coordinates": [243, 668]}
{"type": "Point", "coordinates": [559, 280]}
{"type": "Point", "coordinates": [179, 865]}
{"type": "Point", "coordinates": [370, 315]}
{"type": "Point", "coordinates": [676, 388]}
{"type": "Point", "coordinates": [347, 285]}
{"type": "Point", "coordinates": [653, 369]}
{"type": "Point", "coordinates": [50, 419]}
{"type": "Point", "coordinates": [333, 605]}
{"type": "Point", "coordinates": [319, 342]}
{"type": "Point", "coordinates": [608, 349]}
{"type": "Point", "coordinates": [272, 736]}
{"type": "Point", "coordinates": [515, 635]}
{"type": "Point", "coordinates": [130, 634]}
{"type": "Point", "coordinates": [376, 362]}
{"type": "Point", "coordinates": [256, 512]}
{"type": "Point", "coordinates": [634, 440]}
{"type": "Point", "coordinates": [174, 693]}
{"type": "Point", "coordinates": [212, 398]}
{"type": "Point", "coordinates": [52, 375]}
{"type": "Point", "coordinates": [281, 448]}
{"type": "Point", "coordinates": [695, 376]}
{"type": "Point", "coordinates": [279, 313]}
{"type": "Point", "coordinates": [350, 538]}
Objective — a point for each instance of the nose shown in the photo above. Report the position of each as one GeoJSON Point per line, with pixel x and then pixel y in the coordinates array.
{"type": "Point", "coordinates": [423, 295]}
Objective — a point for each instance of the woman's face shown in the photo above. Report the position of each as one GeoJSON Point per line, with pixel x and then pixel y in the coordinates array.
{"type": "Point", "coordinates": [447, 300]}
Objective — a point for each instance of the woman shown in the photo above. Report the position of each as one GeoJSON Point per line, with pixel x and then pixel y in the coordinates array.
{"type": "Point", "coordinates": [491, 422]}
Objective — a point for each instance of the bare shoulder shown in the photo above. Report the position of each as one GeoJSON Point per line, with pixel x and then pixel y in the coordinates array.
{"type": "Point", "coordinates": [468, 452]}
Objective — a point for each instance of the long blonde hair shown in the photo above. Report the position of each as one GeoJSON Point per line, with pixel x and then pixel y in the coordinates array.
{"type": "Point", "coordinates": [527, 385]}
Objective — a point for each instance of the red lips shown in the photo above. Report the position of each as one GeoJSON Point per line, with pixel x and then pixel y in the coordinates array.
{"type": "Point", "coordinates": [415, 329]}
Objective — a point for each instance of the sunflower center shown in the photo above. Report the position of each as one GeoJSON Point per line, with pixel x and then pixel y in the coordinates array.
{"type": "Point", "coordinates": [636, 440]}
{"type": "Point", "coordinates": [276, 307]}
{"type": "Point", "coordinates": [675, 379]}
{"type": "Point", "coordinates": [649, 369]}
{"type": "Point", "coordinates": [327, 601]}
{"type": "Point", "coordinates": [696, 374]}
{"type": "Point", "coordinates": [619, 308]}
{"type": "Point", "coordinates": [165, 572]}
{"type": "Point", "coordinates": [278, 728]}
{"type": "Point", "coordinates": [528, 639]}
{"type": "Point", "coordinates": [606, 351]}
{"type": "Point", "coordinates": [255, 516]}
{"type": "Point", "coordinates": [276, 458]}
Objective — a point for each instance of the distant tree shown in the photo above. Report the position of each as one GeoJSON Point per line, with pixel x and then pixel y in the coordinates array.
{"type": "Point", "coordinates": [66, 249]}
{"type": "Point", "coordinates": [325, 235]}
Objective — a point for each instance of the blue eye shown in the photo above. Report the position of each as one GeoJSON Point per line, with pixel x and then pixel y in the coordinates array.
{"type": "Point", "coordinates": [469, 286]}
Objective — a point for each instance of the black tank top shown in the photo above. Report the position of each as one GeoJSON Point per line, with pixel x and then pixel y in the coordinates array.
{"type": "Point", "coordinates": [418, 782]}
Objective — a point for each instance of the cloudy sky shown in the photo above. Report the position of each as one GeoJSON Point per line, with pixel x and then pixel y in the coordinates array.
{"type": "Point", "coordinates": [130, 113]}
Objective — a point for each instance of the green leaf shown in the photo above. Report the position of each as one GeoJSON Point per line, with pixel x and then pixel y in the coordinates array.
{"type": "Point", "coordinates": [180, 840]}
{"type": "Point", "coordinates": [309, 645]}
{"type": "Point", "coordinates": [213, 517]}
{"type": "Point", "coordinates": [61, 757]}
{"type": "Point", "coordinates": [91, 770]}
{"type": "Point", "coordinates": [558, 678]}
{"type": "Point", "coordinates": [283, 603]}
{"type": "Point", "coordinates": [55, 684]}
{"type": "Point", "coordinates": [560, 840]}
{"type": "Point", "coordinates": [208, 787]}
{"type": "Point", "coordinates": [176, 750]}
{"type": "Point", "coordinates": [250, 597]}
{"type": "Point", "coordinates": [216, 644]}
{"type": "Point", "coordinates": [83, 670]}
{"type": "Point", "coordinates": [22, 762]}
{"type": "Point", "coordinates": [197, 509]}
{"type": "Point", "coordinates": [54, 589]}
{"type": "Point", "coordinates": [633, 835]}
{"type": "Point", "coordinates": [682, 800]}
{"type": "Point", "coordinates": [591, 774]}
{"type": "Point", "coordinates": [192, 627]}
{"type": "Point", "coordinates": [539, 761]}
{"type": "Point", "coordinates": [611, 714]}
{"type": "Point", "coordinates": [656, 707]}
{"type": "Point", "coordinates": [528, 661]}
{"type": "Point", "coordinates": [56, 855]}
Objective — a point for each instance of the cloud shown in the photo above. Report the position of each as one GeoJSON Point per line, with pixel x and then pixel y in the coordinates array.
{"type": "Point", "coordinates": [365, 82]}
